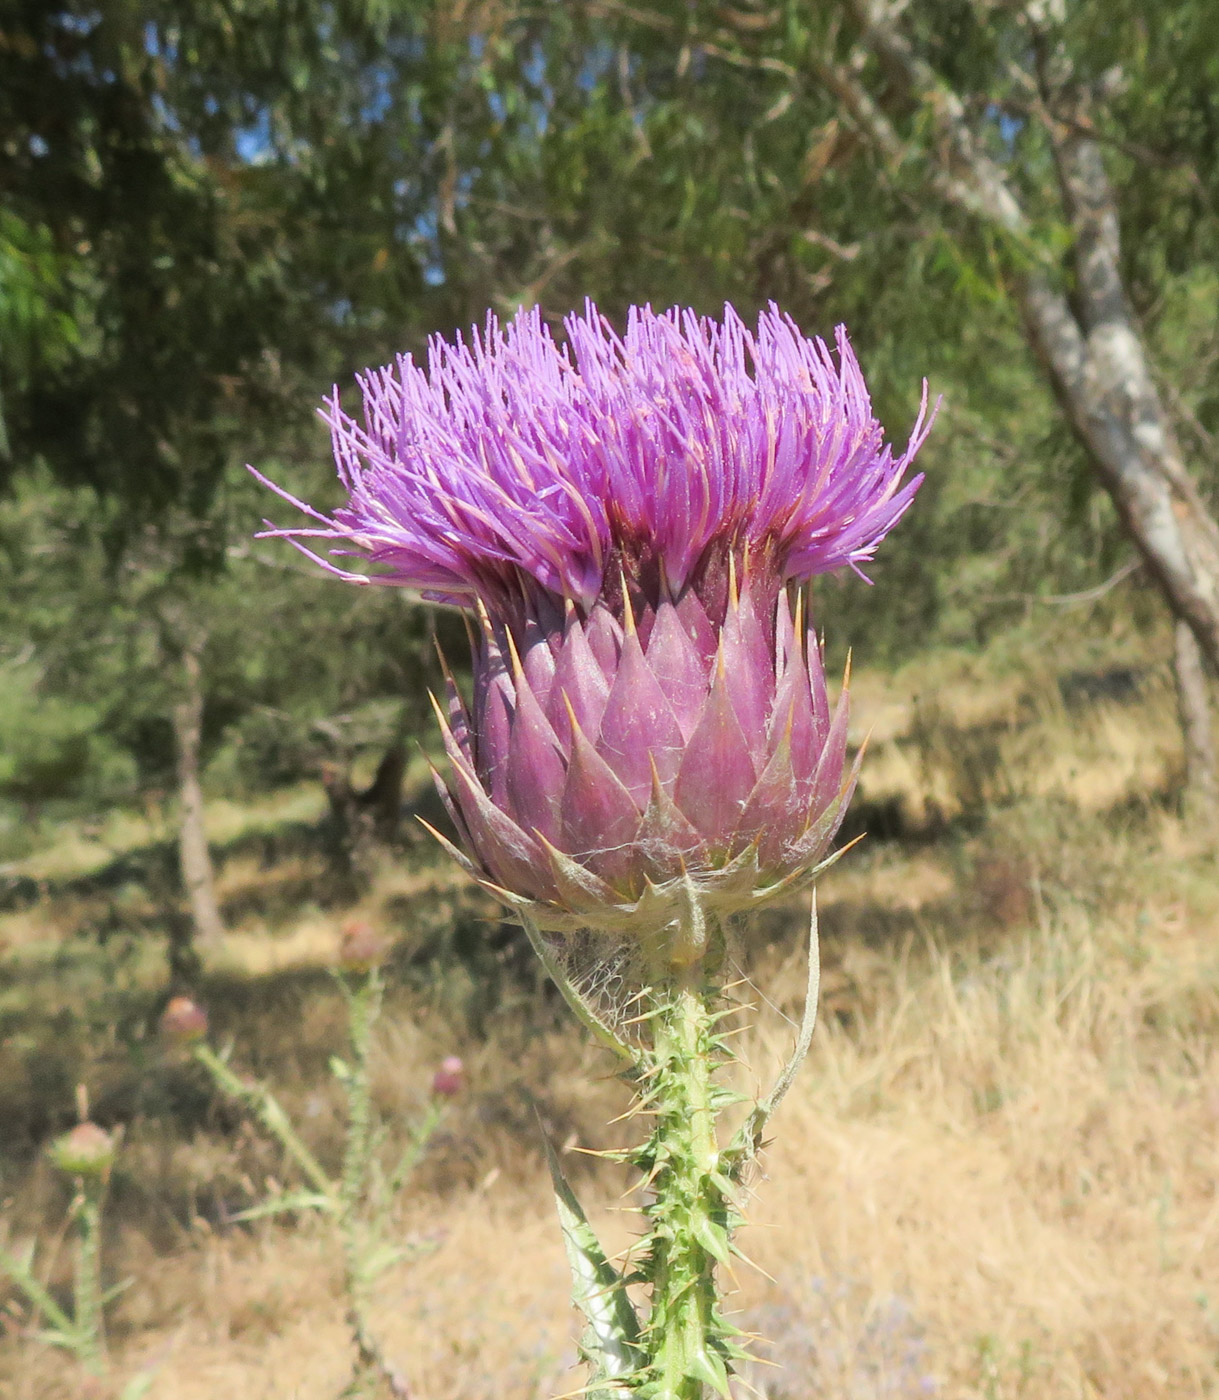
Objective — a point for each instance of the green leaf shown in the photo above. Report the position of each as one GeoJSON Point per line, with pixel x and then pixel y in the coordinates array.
{"type": "Point", "coordinates": [726, 1187]}
{"type": "Point", "coordinates": [381, 1259]}
{"type": "Point", "coordinates": [713, 1238]}
{"type": "Point", "coordinates": [598, 1289]}
{"type": "Point", "coordinates": [290, 1201]}
{"type": "Point", "coordinates": [111, 1293]}
{"type": "Point", "coordinates": [709, 1368]}
{"type": "Point", "coordinates": [55, 1337]}
{"type": "Point", "coordinates": [600, 1031]}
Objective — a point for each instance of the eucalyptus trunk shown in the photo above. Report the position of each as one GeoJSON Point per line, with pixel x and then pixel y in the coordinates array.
{"type": "Point", "coordinates": [1193, 706]}
{"type": "Point", "coordinates": [1089, 342]}
{"type": "Point", "coordinates": [195, 861]}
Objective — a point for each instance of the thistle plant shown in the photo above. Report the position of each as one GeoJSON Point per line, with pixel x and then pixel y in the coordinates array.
{"type": "Point", "coordinates": [360, 1199]}
{"type": "Point", "coordinates": [648, 751]}
{"type": "Point", "coordinates": [86, 1154]}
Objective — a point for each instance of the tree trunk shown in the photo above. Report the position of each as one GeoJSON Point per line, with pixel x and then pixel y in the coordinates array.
{"type": "Point", "coordinates": [1103, 373]}
{"type": "Point", "coordinates": [1193, 705]}
{"type": "Point", "coordinates": [1098, 380]}
{"type": "Point", "coordinates": [349, 835]}
{"type": "Point", "coordinates": [194, 857]}
{"type": "Point", "coordinates": [1096, 361]}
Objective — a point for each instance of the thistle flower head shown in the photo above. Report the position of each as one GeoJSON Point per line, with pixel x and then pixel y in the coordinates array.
{"type": "Point", "coordinates": [87, 1150]}
{"type": "Point", "coordinates": [511, 461]}
{"type": "Point", "coordinates": [630, 519]}
{"type": "Point", "coordinates": [361, 946]}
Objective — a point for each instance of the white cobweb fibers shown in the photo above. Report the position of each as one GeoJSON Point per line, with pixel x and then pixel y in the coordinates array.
{"type": "Point", "coordinates": [607, 975]}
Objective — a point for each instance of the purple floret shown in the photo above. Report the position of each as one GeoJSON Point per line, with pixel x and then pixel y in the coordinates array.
{"type": "Point", "coordinates": [630, 519]}
{"type": "Point", "coordinates": [513, 461]}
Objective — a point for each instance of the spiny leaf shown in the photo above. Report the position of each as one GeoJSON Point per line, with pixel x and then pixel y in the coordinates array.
{"type": "Point", "coordinates": [381, 1259]}
{"type": "Point", "coordinates": [138, 1386]}
{"type": "Point", "coordinates": [54, 1337]}
{"type": "Point", "coordinates": [598, 1288]}
{"type": "Point", "coordinates": [748, 1140]}
{"type": "Point", "coordinates": [600, 1031]}
{"type": "Point", "coordinates": [709, 1368]}
{"type": "Point", "coordinates": [712, 1238]}
{"type": "Point", "coordinates": [726, 1187]}
{"type": "Point", "coordinates": [723, 1097]}
{"type": "Point", "coordinates": [113, 1292]}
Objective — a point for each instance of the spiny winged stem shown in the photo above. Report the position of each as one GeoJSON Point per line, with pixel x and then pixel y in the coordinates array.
{"type": "Point", "coordinates": [269, 1112]}
{"type": "Point", "coordinates": [364, 1007]}
{"type": "Point", "coordinates": [689, 1345]}
{"type": "Point", "coordinates": [88, 1281]}
{"type": "Point", "coordinates": [20, 1270]}
{"type": "Point", "coordinates": [83, 1333]}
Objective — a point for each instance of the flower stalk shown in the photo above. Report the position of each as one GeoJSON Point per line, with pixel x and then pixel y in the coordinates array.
{"type": "Point", "coordinates": [363, 1254]}
{"type": "Point", "coordinates": [86, 1153]}
{"type": "Point", "coordinates": [89, 1319]}
{"type": "Point", "coordinates": [690, 1216]}
{"type": "Point", "coordinates": [270, 1113]}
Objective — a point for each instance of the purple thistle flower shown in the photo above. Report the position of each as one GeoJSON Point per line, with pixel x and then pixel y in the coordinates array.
{"type": "Point", "coordinates": [630, 520]}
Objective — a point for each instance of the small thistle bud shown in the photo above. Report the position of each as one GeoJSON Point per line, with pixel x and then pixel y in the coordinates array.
{"type": "Point", "coordinates": [183, 1022]}
{"type": "Point", "coordinates": [85, 1151]}
{"type": "Point", "coordinates": [361, 947]}
{"type": "Point", "coordinates": [449, 1079]}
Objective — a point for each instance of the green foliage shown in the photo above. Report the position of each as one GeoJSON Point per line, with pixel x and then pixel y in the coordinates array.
{"type": "Point", "coordinates": [213, 210]}
{"type": "Point", "coordinates": [50, 747]}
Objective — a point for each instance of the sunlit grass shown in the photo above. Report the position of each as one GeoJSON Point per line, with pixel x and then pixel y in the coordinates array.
{"type": "Point", "coordinates": [996, 1177]}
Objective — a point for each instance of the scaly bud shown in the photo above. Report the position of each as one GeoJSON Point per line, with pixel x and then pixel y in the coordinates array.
{"type": "Point", "coordinates": [85, 1151]}
{"type": "Point", "coordinates": [183, 1022]}
{"type": "Point", "coordinates": [361, 947]}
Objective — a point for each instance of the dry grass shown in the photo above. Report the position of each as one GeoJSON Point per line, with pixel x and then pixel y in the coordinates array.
{"type": "Point", "coordinates": [1022, 1147]}
{"type": "Point", "coordinates": [997, 1177]}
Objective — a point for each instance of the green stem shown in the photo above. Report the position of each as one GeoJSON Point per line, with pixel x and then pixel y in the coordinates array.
{"type": "Point", "coordinates": [360, 1240]}
{"type": "Point", "coordinates": [364, 1005]}
{"type": "Point", "coordinates": [686, 1340]}
{"type": "Point", "coordinates": [270, 1114]}
{"type": "Point", "coordinates": [88, 1282]}
{"type": "Point", "coordinates": [412, 1153]}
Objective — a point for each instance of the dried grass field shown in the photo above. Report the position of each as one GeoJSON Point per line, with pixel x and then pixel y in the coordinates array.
{"type": "Point", "coordinates": [997, 1177]}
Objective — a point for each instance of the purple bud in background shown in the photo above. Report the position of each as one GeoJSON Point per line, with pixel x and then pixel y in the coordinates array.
{"type": "Point", "coordinates": [630, 520]}
{"type": "Point", "coordinates": [449, 1079]}
{"type": "Point", "coordinates": [361, 947]}
{"type": "Point", "coordinates": [183, 1022]}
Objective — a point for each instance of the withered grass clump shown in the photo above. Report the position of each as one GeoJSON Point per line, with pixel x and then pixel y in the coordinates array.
{"type": "Point", "coordinates": [996, 1178]}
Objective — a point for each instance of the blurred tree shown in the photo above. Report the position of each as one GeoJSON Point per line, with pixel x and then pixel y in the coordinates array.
{"type": "Point", "coordinates": [1016, 119]}
{"type": "Point", "coordinates": [203, 209]}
